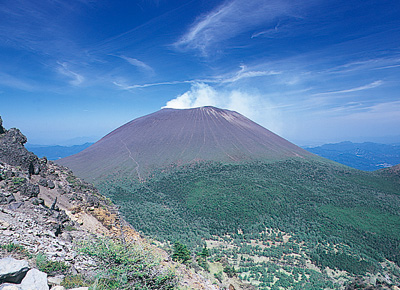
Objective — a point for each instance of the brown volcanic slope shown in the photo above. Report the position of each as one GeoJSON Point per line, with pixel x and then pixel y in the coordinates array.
{"type": "Point", "coordinates": [172, 136]}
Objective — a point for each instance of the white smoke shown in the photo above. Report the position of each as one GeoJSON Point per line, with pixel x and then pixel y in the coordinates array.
{"type": "Point", "coordinates": [253, 106]}
{"type": "Point", "coordinates": [200, 95]}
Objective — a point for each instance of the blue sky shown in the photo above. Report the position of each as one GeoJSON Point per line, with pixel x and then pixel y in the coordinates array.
{"type": "Point", "coordinates": [311, 71]}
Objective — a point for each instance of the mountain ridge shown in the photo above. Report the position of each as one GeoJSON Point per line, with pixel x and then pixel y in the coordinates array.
{"type": "Point", "coordinates": [181, 136]}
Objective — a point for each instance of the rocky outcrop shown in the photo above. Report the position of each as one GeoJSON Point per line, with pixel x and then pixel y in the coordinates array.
{"type": "Point", "coordinates": [13, 152]}
{"type": "Point", "coordinates": [2, 130]}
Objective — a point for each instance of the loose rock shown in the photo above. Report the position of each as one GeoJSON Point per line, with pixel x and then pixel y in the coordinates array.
{"type": "Point", "coordinates": [12, 270]}
{"type": "Point", "coordinates": [34, 280]}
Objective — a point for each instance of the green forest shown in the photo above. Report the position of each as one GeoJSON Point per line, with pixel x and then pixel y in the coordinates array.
{"type": "Point", "coordinates": [336, 217]}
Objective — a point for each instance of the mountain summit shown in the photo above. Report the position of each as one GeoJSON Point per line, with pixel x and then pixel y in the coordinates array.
{"type": "Point", "coordinates": [181, 136]}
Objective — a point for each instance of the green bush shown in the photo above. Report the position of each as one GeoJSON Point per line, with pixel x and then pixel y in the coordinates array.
{"type": "Point", "coordinates": [230, 271]}
{"type": "Point", "coordinates": [219, 276]}
{"type": "Point", "coordinates": [12, 248]}
{"type": "Point", "coordinates": [50, 267]}
{"type": "Point", "coordinates": [181, 253]}
{"type": "Point", "coordinates": [18, 180]}
{"type": "Point", "coordinates": [127, 266]}
{"type": "Point", "coordinates": [202, 258]}
{"type": "Point", "coordinates": [74, 281]}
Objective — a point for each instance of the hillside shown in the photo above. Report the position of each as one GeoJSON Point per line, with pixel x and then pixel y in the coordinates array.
{"type": "Point", "coordinates": [323, 225]}
{"type": "Point", "coordinates": [276, 216]}
{"type": "Point", "coordinates": [174, 137]}
{"type": "Point", "coordinates": [364, 156]}
{"type": "Point", "coordinates": [59, 232]}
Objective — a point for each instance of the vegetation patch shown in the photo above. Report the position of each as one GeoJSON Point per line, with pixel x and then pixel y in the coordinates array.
{"type": "Point", "coordinates": [50, 267]}
{"type": "Point", "coordinates": [74, 281]}
{"type": "Point", "coordinates": [372, 221]}
{"type": "Point", "coordinates": [13, 248]}
{"type": "Point", "coordinates": [127, 266]}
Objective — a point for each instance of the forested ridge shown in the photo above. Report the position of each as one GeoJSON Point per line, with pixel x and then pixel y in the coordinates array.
{"type": "Point", "coordinates": [336, 217]}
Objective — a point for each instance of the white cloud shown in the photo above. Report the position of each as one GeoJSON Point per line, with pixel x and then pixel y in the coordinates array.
{"type": "Point", "coordinates": [253, 106]}
{"type": "Point", "coordinates": [200, 95]}
{"type": "Point", "coordinates": [13, 82]}
{"type": "Point", "coordinates": [139, 64]}
{"type": "Point", "coordinates": [232, 18]}
{"type": "Point", "coordinates": [272, 32]}
{"type": "Point", "coordinates": [356, 89]}
{"type": "Point", "coordinates": [130, 87]}
{"type": "Point", "coordinates": [243, 73]}
{"type": "Point", "coordinates": [77, 79]}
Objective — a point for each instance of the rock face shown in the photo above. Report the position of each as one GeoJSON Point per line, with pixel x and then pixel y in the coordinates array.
{"type": "Point", "coordinates": [177, 137]}
{"type": "Point", "coordinates": [2, 130]}
{"type": "Point", "coordinates": [13, 152]}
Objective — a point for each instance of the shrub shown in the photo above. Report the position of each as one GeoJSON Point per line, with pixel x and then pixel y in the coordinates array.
{"type": "Point", "coordinates": [230, 271]}
{"type": "Point", "coordinates": [50, 267]}
{"type": "Point", "coordinates": [13, 248]}
{"type": "Point", "coordinates": [74, 281]}
{"type": "Point", "coordinates": [127, 266]}
{"type": "Point", "coordinates": [219, 276]}
{"type": "Point", "coordinates": [181, 253]}
{"type": "Point", "coordinates": [202, 258]}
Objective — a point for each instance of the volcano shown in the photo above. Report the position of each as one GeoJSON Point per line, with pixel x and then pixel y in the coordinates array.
{"type": "Point", "coordinates": [180, 136]}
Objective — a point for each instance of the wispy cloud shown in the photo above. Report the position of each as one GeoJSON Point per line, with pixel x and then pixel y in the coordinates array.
{"type": "Point", "coordinates": [363, 65]}
{"type": "Point", "coordinates": [13, 82]}
{"type": "Point", "coordinates": [379, 115]}
{"type": "Point", "coordinates": [76, 79]}
{"type": "Point", "coordinates": [243, 73]}
{"type": "Point", "coordinates": [232, 18]}
{"type": "Point", "coordinates": [272, 32]}
{"type": "Point", "coordinates": [130, 87]}
{"type": "Point", "coordinates": [356, 89]}
{"type": "Point", "coordinates": [137, 63]}
{"type": "Point", "coordinates": [389, 66]}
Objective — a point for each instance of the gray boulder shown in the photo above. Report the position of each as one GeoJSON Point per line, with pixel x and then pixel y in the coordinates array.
{"type": "Point", "coordinates": [51, 184]}
{"type": "Point", "coordinates": [6, 198]}
{"type": "Point", "coordinates": [15, 205]}
{"type": "Point", "coordinates": [3, 198]}
{"type": "Point", "coordinates": [2, 130]}
{"type": "Point", "coordinates": [12, 270]}
{"type": "Point", "coordinates": [43, 182]}
{"type": "Point", "coordinates": [30, 190]}
{"type": "Point", "coordinates": [34, 280]}
{"type": "Point", "coordinates": [13, 152]}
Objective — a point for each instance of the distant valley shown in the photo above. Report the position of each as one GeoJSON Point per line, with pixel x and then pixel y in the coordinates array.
{"type": "Point", "coordinates": [366, 156]}
{"type": "Point", "coordinates": [54, 152]}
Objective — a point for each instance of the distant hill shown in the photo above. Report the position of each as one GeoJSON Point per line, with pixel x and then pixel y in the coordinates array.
{"type": "Point", "coordinates": [364, 156]}
{"type": "Point", "coordinates": [172, 137]}
{"type": "Point", "coordinates": [56, 152]}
